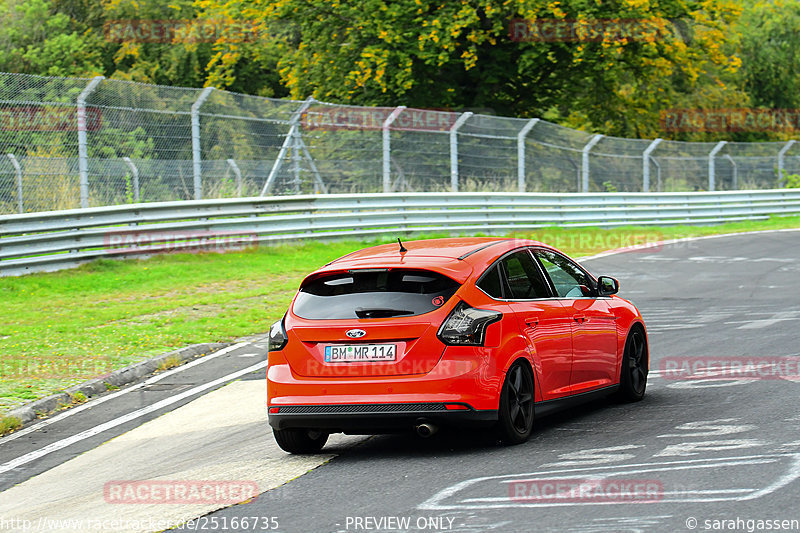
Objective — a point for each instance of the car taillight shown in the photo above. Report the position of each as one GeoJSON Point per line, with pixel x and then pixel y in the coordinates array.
{"type": "Point", "coordinates": [466, 326]}
{"type": "Point", "coordinates": [277, 336]}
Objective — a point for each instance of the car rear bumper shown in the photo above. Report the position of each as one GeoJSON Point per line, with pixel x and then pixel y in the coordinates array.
{"type": "Point", "coordinates": [377, 418]}
{"type": "Point", "coordinates": [461, 390]}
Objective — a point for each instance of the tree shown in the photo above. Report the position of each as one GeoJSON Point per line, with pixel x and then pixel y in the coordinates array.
{"type": "Point", "coordinates": [459, 54]}
{"type": "Point", "coordinates": [36, 39]}
{"type": "Point", "coordinates": [769, 37]}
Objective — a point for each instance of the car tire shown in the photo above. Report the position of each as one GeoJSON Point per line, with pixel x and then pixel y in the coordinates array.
{"type": "Point", "coordinates": [300, 441]}
{"type": "Point", "coordinates": [633, 374]}
{"type": "Point", "coordinates": [515, 415]}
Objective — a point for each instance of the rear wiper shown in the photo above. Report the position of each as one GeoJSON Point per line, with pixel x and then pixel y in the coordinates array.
{"type": "Point", "coordinates": [381, 312]}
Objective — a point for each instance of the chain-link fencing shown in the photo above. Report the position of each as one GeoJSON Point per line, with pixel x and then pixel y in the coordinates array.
{"type": "Point", "coordinates": [74, 142]}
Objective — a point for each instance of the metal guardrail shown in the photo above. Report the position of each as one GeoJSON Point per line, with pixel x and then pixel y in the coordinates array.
{"type": "Point", "coordinates": [62, 239]}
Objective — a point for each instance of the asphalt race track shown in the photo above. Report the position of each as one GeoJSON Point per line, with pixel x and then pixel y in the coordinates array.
{"type": "Point", "coordinates": [721, 453]}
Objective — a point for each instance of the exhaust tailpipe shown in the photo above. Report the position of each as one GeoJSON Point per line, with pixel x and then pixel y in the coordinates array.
{"type": "Point", "coordinates": [426, 429]}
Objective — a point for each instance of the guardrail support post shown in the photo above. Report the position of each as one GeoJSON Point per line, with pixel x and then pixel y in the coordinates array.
{"type": "Point", "coordinates": [585, 161]}
{"type": "Point", "coordinates": [197, 161]}
{"type": "Point", "coordinates": [83, 151]}
{"type": "Point", "coordinates": [523, 133]}
{"type": "Point", "coordinates": [711, 167]}
{"type": "Point", "coordinates": [646, 164]}
{"type": "Point", "coordinates": [454, 149]}
{"type": "Point", "coordinates": [18, 172]}
{"type": "Point", "coordinates": [294, 124]}
{"type": "Point", "coordinates": [238, 174]}
{"type": "Point", "coordinates": [135, 176]}
{"type": "Point", "coordinates": [781, 157]}
{"type": "Point", "coordinates": [387, 148]}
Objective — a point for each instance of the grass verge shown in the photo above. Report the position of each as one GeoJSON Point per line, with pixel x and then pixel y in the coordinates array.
{"type": "Point", "coordinates": [9, 424]}
{"type": "Point", "coordinates": [62, 328]}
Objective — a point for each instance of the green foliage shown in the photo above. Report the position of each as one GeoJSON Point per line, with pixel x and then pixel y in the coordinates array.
{"type": "Point", "coordinates": [422, 53]}
{"type": "Point", "coordinates": [9, 424]}
{"type": "Point", "coordinates": [38, 40]}
{"type": "Point", "coordinates": [769, 37]}
{"type": "Point", "coordinates": [459, 54]}
{"type": "Point", "coordinates": [791, 181]}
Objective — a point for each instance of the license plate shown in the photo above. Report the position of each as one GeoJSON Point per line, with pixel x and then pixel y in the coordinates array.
{"type": "Point", "coordinates": [357, 353]}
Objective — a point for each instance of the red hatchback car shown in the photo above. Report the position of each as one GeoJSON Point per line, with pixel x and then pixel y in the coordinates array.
{"type": "Point", "coordinates": [462, 331]}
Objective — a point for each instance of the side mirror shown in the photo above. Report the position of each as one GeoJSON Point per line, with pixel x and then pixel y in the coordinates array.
{"type": "Point", "coordinates": [606, 285]}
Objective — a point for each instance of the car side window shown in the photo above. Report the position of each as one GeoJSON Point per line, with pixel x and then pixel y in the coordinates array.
{"type": "Point", "coordinates": [491, 283]}
{"type": "Point", "coordinates": [567, 278]}
{"type": "Point", "coordinates": [523, 279]}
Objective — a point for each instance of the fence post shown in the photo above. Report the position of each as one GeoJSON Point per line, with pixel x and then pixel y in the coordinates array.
{"type": "Point", "coordinates": [18, 172]}
{"type": "Point", "coordinates": [387, 148]}
{"type": "Point", "coordinates": [781, 156]}
{"type": "Point", "coordinates": [295, 155]}
{"type": "Point", "coordinates": [646, 164]}
{"type": "Point", "coordinates": [238, 174]}
{"type": "Point", "coordinates": [658, 173]}
{"type": "Point", "coordinates": [454, 149]}
{"type": "Point", "coordinates": [711, 169]}
{"type": "Point", "coordinates": [585, 161]}
{"type": "Point", "coordinates": [521, 153]}
{"type": "Point", "coordinates": [83, 151]}
{"type": "Point", "coordinates": [196, 150]}
{"type": "Point", "coordinates": [293, 125]}
{"type": "Point", "coordinates": [135, 176]}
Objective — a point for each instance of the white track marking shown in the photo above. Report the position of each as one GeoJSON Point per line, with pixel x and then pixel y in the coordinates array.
{"type": "Point", "coordinates": [685, 449]}
{"type": "Point", "coordinates": [432, 502]}
{"type": "Point", "coordinates": [709, 428]}
{"type": "Point", "coordinates": [103, 399]}
{"type": "Point", "coordinates": [595, 456]}
{"type": "Point", "coordinates": [221, 435]}
{"type": "Point", "coordinates": [63, 443]}
{"type": "Point", "coordinates": [437, 501]}
{"type": "Point", "coordinates": [778, 317]}
{"type": "Point", "coordinates": [685, 239]}
{"type": "Point", "coordinates": [709, 383]}
{"type": "Point", "coordinates": [792, 474]}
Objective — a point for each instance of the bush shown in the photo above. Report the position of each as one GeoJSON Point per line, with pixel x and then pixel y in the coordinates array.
{"type": "Point", "coordinates": [791, 181]}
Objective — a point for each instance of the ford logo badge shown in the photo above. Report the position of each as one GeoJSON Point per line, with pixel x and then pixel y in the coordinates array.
{"type": "Point", "coordinates": [355, 333]}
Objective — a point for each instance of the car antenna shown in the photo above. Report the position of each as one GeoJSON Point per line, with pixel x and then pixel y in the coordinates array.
{"type": "Point", "coordinates": [403, 249]}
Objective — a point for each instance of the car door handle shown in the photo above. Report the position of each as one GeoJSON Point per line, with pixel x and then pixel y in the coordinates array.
{"type": "Point", "coordinates": [579, 318]}
{"type": "Point", "coordinates": [532, 321]}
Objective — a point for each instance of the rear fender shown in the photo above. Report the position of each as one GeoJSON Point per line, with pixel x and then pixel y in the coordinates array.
{"type": "Point", "coordinates": [517, 347]}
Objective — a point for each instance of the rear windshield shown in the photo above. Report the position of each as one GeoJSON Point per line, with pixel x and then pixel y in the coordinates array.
{"type": "Point", "coordinates": [373, 293]}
